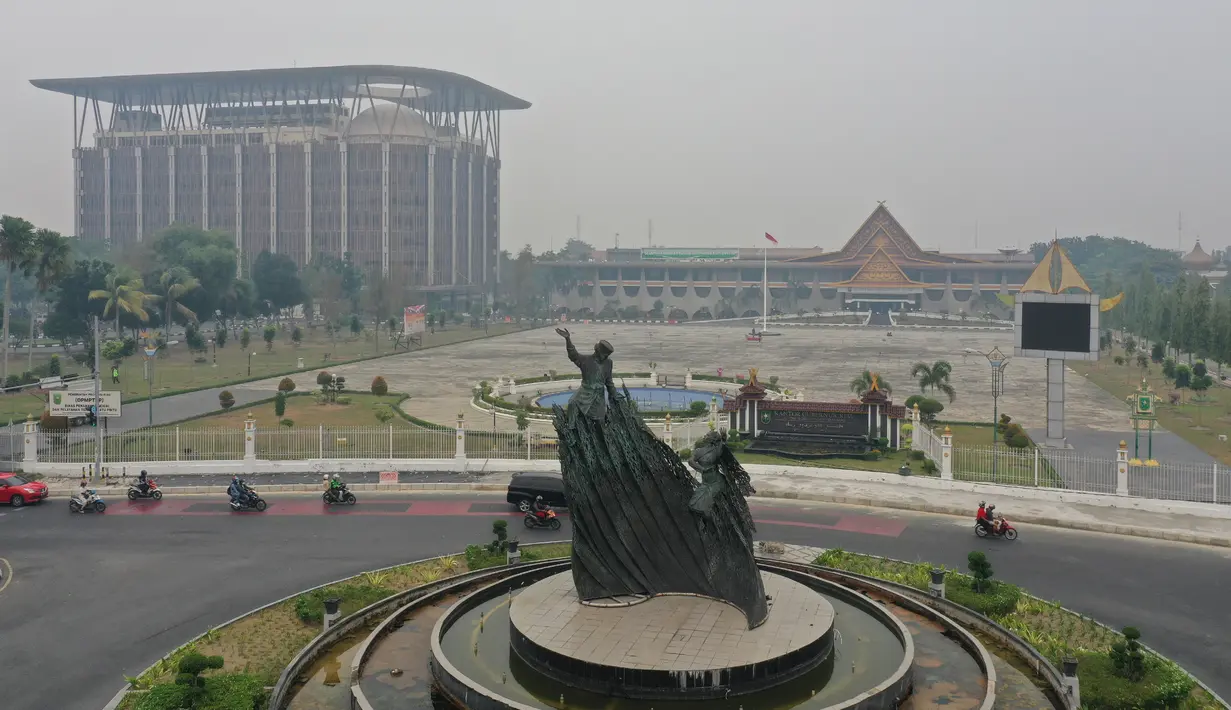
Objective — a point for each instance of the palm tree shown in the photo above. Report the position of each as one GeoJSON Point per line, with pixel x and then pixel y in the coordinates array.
{"type": "Point", "coordinates": [16, 252]}
{"type": "Point", "coordinates": [50, 264]}
{"type": "Point", "coordinates": [123, 294]}
{"type": "Point", "coordinates": [934, 377]}
{"type": "Point", "coordinates": [862, 384]}
{"type": "Point", "coordinates": [173, 285]}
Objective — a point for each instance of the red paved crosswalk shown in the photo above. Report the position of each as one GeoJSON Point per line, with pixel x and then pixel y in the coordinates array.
{"type": "Point", "coordinates": [861, 524]}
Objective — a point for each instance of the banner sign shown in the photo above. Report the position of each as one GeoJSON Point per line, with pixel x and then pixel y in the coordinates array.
{"type": "Point", "coordinates": [76, 403]}
{"type": "Point", "coordinates": [414, 319]}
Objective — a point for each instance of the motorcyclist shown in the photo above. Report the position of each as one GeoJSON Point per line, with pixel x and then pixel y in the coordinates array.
{"type": "Point", "coordinates": [993, 519]}
{"type": "Point", "coordinates": [540, 508]}
{"type": "Point", "coordinates": [335, 487]}
{"type": "Point", "coordinates": [983, 517]}
{"type": "Point", "coordinates": [143, 483]}
{"type": "Point", "coordinates": [237, 490]}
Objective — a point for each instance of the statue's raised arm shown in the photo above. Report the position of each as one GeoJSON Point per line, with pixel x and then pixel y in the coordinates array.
{"type": "Point", "coordinates": [568, 346]}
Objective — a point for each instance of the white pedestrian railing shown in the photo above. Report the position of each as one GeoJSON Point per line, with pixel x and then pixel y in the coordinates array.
{"type": "Point", "coordinates": [928, 442]}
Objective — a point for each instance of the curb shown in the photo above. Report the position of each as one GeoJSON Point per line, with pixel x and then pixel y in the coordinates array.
{"type": "Point", "coordinates": [957, 511]}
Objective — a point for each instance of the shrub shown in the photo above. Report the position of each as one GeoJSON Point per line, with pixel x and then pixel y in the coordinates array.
{"type": "Point", "coordinates": [998, 598]}
{"type": "Point", "coordinates": [270, 333]}
{"type": "Point", "coordinates": [196, 341]}
{"type": "Point", "coordinates": [1163, 684]}
{"type": "Point", "coordinates": [384, 413]}
{"type": "Point", "coordinates": [1199, 369]}
{"type": "Point", "coordinates": [1183, 375]}
{"type": "Point", "coordinates": [48, 423]}
{"type": "Point", "coordinates": [523, 420]}
{"type": "Point", "coordinates": [685, 454]}
{"type": "Point", "coordinates": [341, 400]}
{"type": "Point", "coordinates": [324, 379]}
{"type": "Point", "coordinates": [916, 455]}
{"type": "Point", "coordinates": [288, 423]}
{"type": "Point", "coordinates": [245, 338]}
{"type": "Point", "coordinates": [1019, 440]}
{"type": "Point", "coordinates": [225, 399]}
{"type": "Point", "coordinates": [286, 385]}
{"type": "Point", "coordinates": [112, 350]}
{"type": "Point", "coordinates": [379, 386]}
{"type": "Point", "coordinates": [1156, 352]}
{"type": "Point", "coordinates": [355, 595]}
{"type": "Point", "coordinates": [280, 404]}
{"type": "Point", "coordinates": [220, 337]}
{"type": "Point", "coordinates": [1127, 657]}
{"type": "Point", "coordinates": [297, 336]}
{"type": "Point", "coordinates": [698, 408]}
{"type": "Point", "coordinates": [53, 368]}
{"type": "Point", "coordinates": [930, 467]}
{"type": "Point", "coordinates": [1169, 368]}
{"type": "Point", "coordinates": [912, 400]}
{"type": "Point", "coordinates": [873, 455]}
{"type": "Point", "coordinates": [1142, 361]}
{"type": "Point", "coordinates": [981, 569]}
{"type": "Point", "coordinates": [929, 408]}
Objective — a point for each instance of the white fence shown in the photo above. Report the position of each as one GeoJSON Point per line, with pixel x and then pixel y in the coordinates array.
{"type": "Point", "coordinates": [928, 442]}
{"type": "Point", "coordinates": [1069, 470]}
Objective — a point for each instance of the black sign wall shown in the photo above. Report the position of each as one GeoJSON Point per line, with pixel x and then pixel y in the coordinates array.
{"type": "Point", "coordinates": [814, 423]}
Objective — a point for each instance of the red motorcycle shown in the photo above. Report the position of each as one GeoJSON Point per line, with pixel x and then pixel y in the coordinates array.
{"type": "Point", "coordinates": [997, 527]}
{"type": "Point", "coordinates": [548, 520]}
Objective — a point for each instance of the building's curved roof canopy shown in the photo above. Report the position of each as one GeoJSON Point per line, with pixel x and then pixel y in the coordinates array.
{"type": "Point", "coordinates": [1198, 258]}
{"type": "Point", "coordinates": [428, 89]}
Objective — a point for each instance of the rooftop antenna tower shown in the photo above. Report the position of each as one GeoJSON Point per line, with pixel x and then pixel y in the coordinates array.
{"type": "Point", "coordinates": [649, 239]}
{"type": "Point", "coordinates": [577, 235]}
{"type": "Point", "coordinates": [1179, 232]}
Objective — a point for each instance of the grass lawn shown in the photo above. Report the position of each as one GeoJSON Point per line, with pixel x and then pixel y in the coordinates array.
{"type": "Point", "coordinates": [976, 460]}
{"type": "Point", "coordinates": [306, 413]}
{"type": "Point", "coordinates": [175, 369]}
{"type": "Point", "coordinates": [1197, 422]}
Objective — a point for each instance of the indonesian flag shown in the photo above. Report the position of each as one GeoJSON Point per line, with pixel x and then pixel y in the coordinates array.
{"type": "Point", "coordinates": [770, 237]}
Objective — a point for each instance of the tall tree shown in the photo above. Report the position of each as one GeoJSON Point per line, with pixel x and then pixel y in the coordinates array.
{"type": "Point", "coordinates": [50, 264]}
{"type": "Point", "coordinates": [173, 285]}
{"type": "Point", "coordinates": [863, 383]}
{"type": "Point", "coordinates": [71, 307]}
{"type": "Point", "coordinates": [237, 299]}
{"type": "Point", "coordinates": [17, 254]}
{"type": "Point", "coordinates": [123, 293]}
{"type": "Point", "coordinates": [210, 256]}
{"type": "Point", "coordinates": [934, 377]}
{"type": "Point", "coordinates": [277, 282]}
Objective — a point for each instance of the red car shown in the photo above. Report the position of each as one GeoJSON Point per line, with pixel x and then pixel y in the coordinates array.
{"type": "Point", "coordinates": [17, 491]}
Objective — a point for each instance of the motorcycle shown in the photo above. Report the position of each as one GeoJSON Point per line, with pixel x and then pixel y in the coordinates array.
{"type": "Point", "coordinates": [549, 520]}
{"type": "Point", "coordinates": [1007, 531]}
{"type": "Point", "coordinates": [86, 500]}
{"type": "Point", "coordinates": [134, 491]}
{"type": "Point", "coordinates": [338, 495]}
{"type": "Point", "coordinates": [249, 501]}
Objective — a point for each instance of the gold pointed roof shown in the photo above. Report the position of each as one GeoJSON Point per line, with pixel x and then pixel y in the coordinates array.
{"type": "Point", "coordinates": [1055, 274]}
{"type": "Point", "coordinates": [881, 270]}
{"type": "Point", "coordinates": [882, 230]}
{"type": "Point", "coordinates": [1198, 258]}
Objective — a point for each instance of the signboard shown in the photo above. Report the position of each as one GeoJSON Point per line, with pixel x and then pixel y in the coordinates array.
{"type": "Point", "coordinates": [76, 403]}
{"type": "Point", "coordinates": [51, 383]}
{"type": "Point", "coordinates": [1057, 326]}
{"type": "Point", "coordinates": [388, 476]}
{"type": "Point", "coordinates": [689, 254]}
{"type": "Point", "coordinates": [814, 423]}
{"type": "Point", "coordinates": [414, 319]}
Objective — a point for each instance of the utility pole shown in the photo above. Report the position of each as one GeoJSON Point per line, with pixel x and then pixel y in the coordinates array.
{"type": "Point", "coordinates": [649, 239]}
{"type": "Point", "coordinates": [98, 431]}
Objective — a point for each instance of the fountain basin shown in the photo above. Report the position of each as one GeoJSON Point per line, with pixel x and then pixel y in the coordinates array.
{"type": "Point", "coordinates": [867, 666]}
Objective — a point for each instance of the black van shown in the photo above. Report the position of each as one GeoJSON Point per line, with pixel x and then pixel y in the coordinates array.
{"type": "Point", "coordinates": [526, 486]}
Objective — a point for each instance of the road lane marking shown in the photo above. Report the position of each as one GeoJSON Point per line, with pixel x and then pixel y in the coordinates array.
{"type": "Point", "coordinates": [6, 573]}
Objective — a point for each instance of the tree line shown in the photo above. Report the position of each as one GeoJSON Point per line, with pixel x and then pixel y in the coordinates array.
{"type": "Point", "coordinates": [182, 276]}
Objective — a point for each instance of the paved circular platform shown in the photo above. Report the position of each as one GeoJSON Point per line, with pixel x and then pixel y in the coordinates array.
{"type": "Point", "coordinates": [670, 645]}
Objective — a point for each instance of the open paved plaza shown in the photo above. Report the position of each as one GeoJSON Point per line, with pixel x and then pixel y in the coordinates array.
{"type": "Point", "coordinates": [820, 360]}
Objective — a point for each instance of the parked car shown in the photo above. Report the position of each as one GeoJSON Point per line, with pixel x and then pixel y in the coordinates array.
{"type": "Point", "coordinates": [17, 491]}
{"type": "Point", "coordinates": [525, 487]}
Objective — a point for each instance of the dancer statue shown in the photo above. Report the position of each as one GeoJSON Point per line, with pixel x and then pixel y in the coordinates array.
{"type": "Point", "coordinates": [642, 526]}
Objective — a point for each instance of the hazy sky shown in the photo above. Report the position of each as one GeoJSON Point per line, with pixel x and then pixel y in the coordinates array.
{"type": "Point", "coordinates": [721, 120]}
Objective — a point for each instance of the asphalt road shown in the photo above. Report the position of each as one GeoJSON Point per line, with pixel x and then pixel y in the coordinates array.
{"type": "Point", "coordinates": [92, 598]}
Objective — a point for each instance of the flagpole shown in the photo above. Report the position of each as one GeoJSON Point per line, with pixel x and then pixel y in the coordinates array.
{"type": "Point", "coordinates": [765, 290]}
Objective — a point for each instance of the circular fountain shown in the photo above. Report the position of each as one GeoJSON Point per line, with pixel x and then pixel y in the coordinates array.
{"type": "Point", "coordinates": [527, 642]}
{"type": "Point", "coordinates": [650, 399]}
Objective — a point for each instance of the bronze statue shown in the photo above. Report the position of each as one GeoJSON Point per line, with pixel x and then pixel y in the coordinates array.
{"type": "Point", "coordinates": [642, 526]}
{"type": "Point", "coordinates": [595, 377]}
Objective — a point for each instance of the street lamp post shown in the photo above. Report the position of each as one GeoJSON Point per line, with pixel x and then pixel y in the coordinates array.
{"type": "Point", "coordinates": [214, 343]}
{"type": "Point", "coordinates": [250, 362]}
{"type": "Point", "coordinates": [998, 361]}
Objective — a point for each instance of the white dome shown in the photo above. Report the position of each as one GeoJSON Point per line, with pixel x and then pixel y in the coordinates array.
{"type": "Point", "coordinates": [389, 121]}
